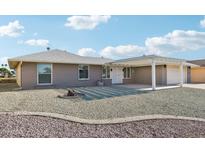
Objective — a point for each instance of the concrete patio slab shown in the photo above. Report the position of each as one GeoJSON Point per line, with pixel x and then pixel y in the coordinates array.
{"type": "Point", "coordinates": [143, 87]}
{"type": "Point", "coordinates": [94, 93]}
{"type": "Point", "coordinates": [197, 86]}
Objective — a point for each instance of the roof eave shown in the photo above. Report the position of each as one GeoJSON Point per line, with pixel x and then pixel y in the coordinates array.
{"type": "Point", "coordinates": [13, 64]}
{"type": "Point", "coordinates": [191, 65]}
{"type": "Point", "coordinates": [39, 61]}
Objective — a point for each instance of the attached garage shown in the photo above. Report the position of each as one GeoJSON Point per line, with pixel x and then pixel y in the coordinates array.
{"type": "Point", "coordinates": [198, 75]}
{"type": "Point", "coordinates": [173, 74]}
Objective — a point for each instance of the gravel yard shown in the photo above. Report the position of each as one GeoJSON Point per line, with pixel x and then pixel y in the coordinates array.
{"type": "Point", "coordinates": [37, 126]}
{"type": "Point", "coordinates": [180, 101]}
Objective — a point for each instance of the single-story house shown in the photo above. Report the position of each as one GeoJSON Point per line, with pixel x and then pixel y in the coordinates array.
{"type": "Point", "coordinates": [57, 68]}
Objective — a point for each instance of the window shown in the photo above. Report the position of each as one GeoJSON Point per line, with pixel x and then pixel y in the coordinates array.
{"type": "Point", "coordinates": [106, 72]}
{"type": "Point", "coordinates": [127, 72]}
{"type": "Point", "coordinates": [44, 73]}
{"type": "Point", "coordinates": [83, 72]}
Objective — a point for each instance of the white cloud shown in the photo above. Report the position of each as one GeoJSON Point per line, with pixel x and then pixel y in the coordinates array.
{"type": "Point", "coordinates": [202, 23]}
{"type": "Point", "coordinates": [122, 51]}
{"type": "Point", "coordinates": [176, 41]}
{"type": "Point", "coordinates": [86, 22]}
{"type": "Point", "coordinates": [173, 42]}
{"type": "Point", "coordinates": [13, 29]}
{"type": "Point", "coordinates": [36, 42]}
{"type": "Point", "coordinates": [87, 52]}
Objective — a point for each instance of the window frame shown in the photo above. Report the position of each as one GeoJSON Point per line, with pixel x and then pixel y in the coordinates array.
{"type": "Point", "coordinates": [88, 72]}
{"type": "Point", "coordinates": [106, 70]}
{"type": "Point", "coordinates": [126, 73]}
{"type": "Point", "coordinates": [38, 74]}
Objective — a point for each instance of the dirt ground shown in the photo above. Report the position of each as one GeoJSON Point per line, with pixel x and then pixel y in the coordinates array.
{"type": "Point", "coordinates": [6, 87]}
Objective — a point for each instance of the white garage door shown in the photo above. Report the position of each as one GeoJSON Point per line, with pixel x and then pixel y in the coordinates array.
{"type": "Point", "coordinates": [173, 75]}
{"type": "Point", "coordinates": [116, 75]}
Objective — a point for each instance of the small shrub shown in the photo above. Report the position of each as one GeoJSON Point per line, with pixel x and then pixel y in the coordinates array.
{"type": "Point", "coordinates": [5, 71]}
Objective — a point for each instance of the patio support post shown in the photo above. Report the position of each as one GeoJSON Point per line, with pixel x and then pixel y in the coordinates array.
{"type": "Point", "coordinates": [153, 75]}
{"type": "Point", "coordinates": [181, 74]}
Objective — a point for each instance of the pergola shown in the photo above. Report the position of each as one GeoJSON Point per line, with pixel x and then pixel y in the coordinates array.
{"type": "Point", "coordinates": [153, 61]}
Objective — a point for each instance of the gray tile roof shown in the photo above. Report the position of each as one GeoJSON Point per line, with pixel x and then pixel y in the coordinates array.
{"type": "Point", "coordinates": [154, 57]}
{"type": "Point", "coordinates": [62, 56]}
{"type": "Point", "coordinates": [147, 59]}
{"type": "Point", "coordinates": [59, 56]}
{"type": "Point", "coordinates": [200, 62]}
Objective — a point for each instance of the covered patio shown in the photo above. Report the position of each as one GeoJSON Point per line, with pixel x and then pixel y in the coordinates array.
{"type": "Point", "coordinates": [170, 69]}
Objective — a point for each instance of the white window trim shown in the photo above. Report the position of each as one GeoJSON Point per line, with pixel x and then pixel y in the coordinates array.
{"type": "Point", "coordinates": [88, 73]}
{"type": "Point", "coordinates": [44, 84]}
{"type": "Point", "coordinates": [127, 74]}
{"type": "Point", "coordinates": [106, 73]}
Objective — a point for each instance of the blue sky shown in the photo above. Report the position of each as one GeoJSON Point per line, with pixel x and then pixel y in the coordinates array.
{"type": "Point", "coordinates": [109, 36]}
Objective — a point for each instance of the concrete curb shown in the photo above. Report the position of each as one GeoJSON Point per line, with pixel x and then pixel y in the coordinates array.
{"type": "Point", "coordinates": [102, 121]}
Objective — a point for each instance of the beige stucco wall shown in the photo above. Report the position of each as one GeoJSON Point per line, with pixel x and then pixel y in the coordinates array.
{"type": "Point", "coordinates": [143, 75]}
{"type": "Point", "coordinates": [29, 75]}
{"type": "Point", "coordinates": [188, 74]}
{"type": "Point", "coordinates": [64, 75]}
{"type": "Point", "coordinates": [18, 74]}
{"type": "Point", "coordinates": [161, 75]}
{"type": "Point", "coordinates": [198, 75]}
{"type": "Point", "coordinates": [67, 75]}
{"type": "Point", "coordinates": [128, 81]}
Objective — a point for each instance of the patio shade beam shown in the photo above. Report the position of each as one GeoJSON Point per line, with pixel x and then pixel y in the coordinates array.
{"type": "Point", "coordinates": [181, 74]}
{"type": "Point", "coordinates": [153, 75]}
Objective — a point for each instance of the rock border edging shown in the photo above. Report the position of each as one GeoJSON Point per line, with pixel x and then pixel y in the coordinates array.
{"type": "Point", "coordinates": [103, 121]}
